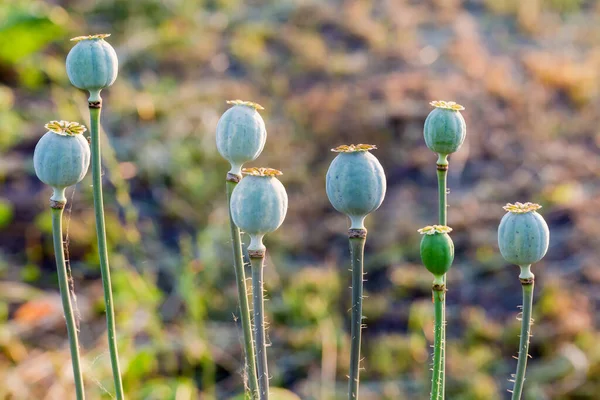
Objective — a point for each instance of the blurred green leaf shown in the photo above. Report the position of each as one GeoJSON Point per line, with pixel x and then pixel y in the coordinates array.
{"type": "Point", "coordinates": [23, 32]}
{"type": "Point", "coordinates": [6, 212]}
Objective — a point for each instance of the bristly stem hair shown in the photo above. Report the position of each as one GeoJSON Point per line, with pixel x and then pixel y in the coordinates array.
{"type": "Point", "coordinates": [438, 331]}
{"type": "Point", "coordinates": [357, 239]}
{"type": "Point", "coordinates": [63, 283]}
{"type": "Point", "coordinates": [240, 277]}
{"type": "Point", "coordinates": [442, 175]}
{"type": "Point", "coordinates": [95, 103]}
{"type": "Point", "coordinates": [527, 284]}
{"type": "Point", "coordinates": [257, 261]}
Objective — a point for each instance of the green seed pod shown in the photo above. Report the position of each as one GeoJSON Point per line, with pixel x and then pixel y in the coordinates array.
{"type": "Point", "coordinates": [92, 63]}
{"type": "Point", "coordinates": [62, 157]}
{"type": "Point", "coordinates": [445, 128]}
{"type": "Point", "coordinates": [259, 204]}
{"type": "Point", "coordinates": [355, 182]}
{"type": "Point", "coordinates": [437, 250]}
{"type": "Point", "coordinates": [241, 134]}
{"type": "Point", "coordinates": [523, 234]}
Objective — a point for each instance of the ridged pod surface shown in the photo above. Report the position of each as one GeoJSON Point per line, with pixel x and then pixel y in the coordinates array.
{"type": "Point", "coordinates": [523, 234]}
{"type": "Point", "coordinates": [61, 159]}
{"type": "Point", "coordinates": [437, 249]}
{"type": "Point", "coordinates": [259, 204]}
{"type": "Point", "coordinates": [241, 134]}
{"type": "Point", "coordinates": [445, 128]}
{"type": "Point", "coordinates": [92, 63]}
{"type": "Point", "coordinates": [355, 183]}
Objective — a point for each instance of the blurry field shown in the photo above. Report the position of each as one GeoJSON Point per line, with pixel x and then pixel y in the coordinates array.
{"type": "Point", "coordinates": [328, 73]}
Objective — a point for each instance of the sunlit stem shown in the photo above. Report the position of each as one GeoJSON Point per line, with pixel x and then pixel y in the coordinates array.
{"type": "Point", "coordinates": [63, 283]}
{"type": "Point", "coordinates": [95, 103]}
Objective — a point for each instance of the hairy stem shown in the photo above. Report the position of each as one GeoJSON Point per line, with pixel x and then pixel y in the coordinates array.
{"type": "Point", "coordinates": [527, 284]}
{"type": "Point", "coordinates": [257, 262]}
{"type": "Point", "coordinates": [102, 247]}
{"type": "Point", "coordinates": [442, 174]}
{"type": "Point", "coordinates": [438, 342]}
{"type": "Point", "coordinates": [240, 277]}
{"type": "Point", "coordinates": [63, 284]}
{"type": "Point", "coordinates": [357, 249]}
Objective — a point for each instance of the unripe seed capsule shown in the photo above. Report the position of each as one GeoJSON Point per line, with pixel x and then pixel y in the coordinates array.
{"type": "Point", "coordinates": [437, 250]}
{"type": "Point", "coordinates": [355, 182]}
{"type": "Point", "coordinates": [523, 234]}
{"type": "Point", "coordinates": [92, 64]}
{"type": "Point", "coordinates": [445, 128]}
{"type": "Point", "coordinates": [241, 134]}
{"type": "Point", "coordinates": [259, 204]}
{"type": "Point", "coordinates": [62, 157]}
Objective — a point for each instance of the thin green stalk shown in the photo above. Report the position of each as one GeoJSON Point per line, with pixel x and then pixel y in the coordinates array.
{"type": "Point", "coordinates": [527, 283]}
{"type": "Point", "coordinates": [240, 277]}
{"type": "Point", "coordinates": [95, 107]}
{"type": "Point", "coordinates": [438, 345]}
{"type": "Point", "coordinates": [357, 239]}
{"type": "Point", "coordinates": [257, 262]}
{"type": "Point", "coordinates": [442, 175]}
{"type": "Point", "coordinates": [63, 283]}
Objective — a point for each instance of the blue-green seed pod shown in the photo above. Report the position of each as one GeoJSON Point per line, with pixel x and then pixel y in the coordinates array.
{"type": "Point", "coordinates": [437, 250]}
{"type": "Point", "coordinates": [523, 234]}
{"type": "Point", "coordinates": [259, 204]}
{"type": "Point", "coordinates": [445, 128]}
{"type": "Point", "coordinates": [92, 63]}
{"type": "Point", "coordinates": [62, 157]}
{"type": "Point", "coordinates": [355, 183]}
{"type": "Point", "coordinates": [241, 134]}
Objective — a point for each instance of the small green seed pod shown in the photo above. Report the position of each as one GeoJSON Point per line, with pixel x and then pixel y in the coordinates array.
{"type": "Point", "coordinates": [241, 134]}
{"type": "Point", "coordinates": [445, 128]}
{"type": "Point", "coordinates": [355, 182]}
{"type": "Point", "coordinates": [259, 204]}
{"type": "Point", "coordinates": [523, 234]}
{"type": "Point", "coordinates": [62, 157]}
{"type": "Point", "coordinates": [437, 250]}
{"type": "Point", "coordinates": [92, 63]}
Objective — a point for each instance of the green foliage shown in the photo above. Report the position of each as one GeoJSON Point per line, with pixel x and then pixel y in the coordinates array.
{"type": "Point", "coordinates": [167, 227]}
{"type": "Point", "coordinates": [27, 28]}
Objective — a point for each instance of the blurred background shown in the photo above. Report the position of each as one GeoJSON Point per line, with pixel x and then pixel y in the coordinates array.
{"type": "Point", "coordinates": [328, 73]}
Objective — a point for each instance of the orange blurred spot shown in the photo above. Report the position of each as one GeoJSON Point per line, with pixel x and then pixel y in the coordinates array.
{"type": "Point", "coordinates": [34, 310]}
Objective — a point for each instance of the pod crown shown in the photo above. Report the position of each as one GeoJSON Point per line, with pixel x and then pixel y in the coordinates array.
{"type": "Point", "coordinates": [251, 104]}
{"type": "Point", "coordinates": [353, 148]}
{"type": "Point", "coordinates": [100, 36]}
{"type": "Point", "coordinates": [448, 105]}
{"type": "Point", "coordinates": [259, 171]}
{"type": "Point", "coordinates": [433, 229]}
{"type": "Point", "coordinates": [65, 128]}
{"type": "Point", "coordinates": [521, 208]}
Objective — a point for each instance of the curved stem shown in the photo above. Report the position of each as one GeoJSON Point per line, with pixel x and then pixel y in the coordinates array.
{"type": "Point", "coordinates": [257, 262]}
{"type": "Point", "coordinates": [442, 174]}
{"type": "Point", "coordinates": [357, 249]}
{"type": "Point", "coordinates": [63, 284]}
{"type": "Point", "coordinates": [240, 278]}
{"type": "Point", "coordinates": [102, 247]}
{"type": "Point", "coordinates": [527, 284]}
{"type": "Point", "coordinates": [438, 342]}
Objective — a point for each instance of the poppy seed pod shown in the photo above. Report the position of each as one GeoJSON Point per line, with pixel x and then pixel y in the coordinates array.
{"type": "Point", "coordinates": [259, 204]}
{"type": "Point", "coordinates": [445, 128]}
{"type": "Point", "coordinates": [92, 63]}
{"type": "Point", "coordinates": [437, 250]}
{"type": "Point", "coordinates": [523, 234]}
{"type": "Point", "coordinates": [355, 182]}
{"type": "Point", "coordinates": [62, 157]}
{"type": "Point", "coordinates": [241, 134]}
